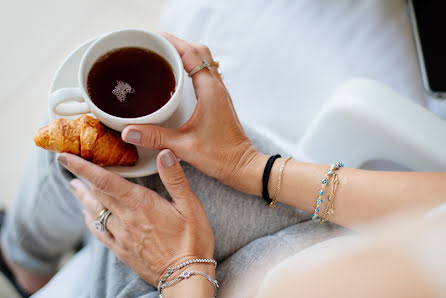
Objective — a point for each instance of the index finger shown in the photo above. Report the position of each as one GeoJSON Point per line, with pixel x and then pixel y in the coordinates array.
{"type": "Point", "coordinates": [192, 58]}
{"type": "Point", "coordinates": [99, 177]}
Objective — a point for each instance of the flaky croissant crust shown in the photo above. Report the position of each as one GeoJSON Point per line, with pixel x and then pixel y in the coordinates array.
{"type": "Point", "coordinates": [89, 139]}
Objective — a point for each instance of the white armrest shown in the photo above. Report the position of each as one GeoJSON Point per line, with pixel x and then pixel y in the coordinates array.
{"type": "Point", "coordinates": [365, 120]}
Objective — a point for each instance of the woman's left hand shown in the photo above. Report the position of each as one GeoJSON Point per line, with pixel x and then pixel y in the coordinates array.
{"type": "Point", "coordinates": [145, 231]}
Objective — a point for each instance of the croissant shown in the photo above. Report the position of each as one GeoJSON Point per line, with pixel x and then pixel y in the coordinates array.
{"type": "Point", "coordinates": [89, 139]}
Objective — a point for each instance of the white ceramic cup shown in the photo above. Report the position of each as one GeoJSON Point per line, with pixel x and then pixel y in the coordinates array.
{"type": "Point", "coordinates": [76, 101]}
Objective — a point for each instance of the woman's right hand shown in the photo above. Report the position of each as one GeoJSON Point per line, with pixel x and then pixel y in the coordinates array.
{"type": "Point", "coordinates": [213, 140]}
{"type": "Point", "coordinates": [145, 231]}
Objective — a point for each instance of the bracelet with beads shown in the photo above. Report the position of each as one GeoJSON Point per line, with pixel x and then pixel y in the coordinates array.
{"type": "Point", "coordinates": [185, 275]}
{"type": "Point", "coordinates": [170, 271]}
{"type": "Point", "coordinates": [331, 173]}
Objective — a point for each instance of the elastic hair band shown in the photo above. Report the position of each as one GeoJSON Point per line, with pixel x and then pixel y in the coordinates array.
{"type": "Point", "coordinates": [265, 179]}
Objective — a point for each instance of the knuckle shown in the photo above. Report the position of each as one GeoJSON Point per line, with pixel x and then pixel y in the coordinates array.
{"type": "Point", "coordinates": [126, 224]}
{"type": "Point", "coordinates": [177, 179]}
{"type": "Point", "coordinates": [192, 52]}
{"type": "Point", "coordinates": [139, 249]}
{"type": "Point", "coordinates": [142, 195]}
{"type": "Point", "coordinates": [127, 192]}
{"type": "Point", "coordinates": [131, 193]}
{"type": "Point", "coordinates": [153, 139]}
{"type": "Point", "coordinates": [123, 241]}
{"type": "Point", "coordinates": [101, 182]}
{"type": "Point", "coordinates": [79, 167]}
{"type": "Point", "coordinates": [134, 205]}
{"type": "Point", "coordinates": [203, 49]}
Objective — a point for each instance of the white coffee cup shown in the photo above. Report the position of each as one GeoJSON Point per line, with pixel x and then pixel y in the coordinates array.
{"type": "Point", "coordinates": [76, 101]}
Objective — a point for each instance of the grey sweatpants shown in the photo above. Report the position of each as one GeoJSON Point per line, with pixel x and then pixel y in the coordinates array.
{"type": "Point", "coordinates": [45, 221]}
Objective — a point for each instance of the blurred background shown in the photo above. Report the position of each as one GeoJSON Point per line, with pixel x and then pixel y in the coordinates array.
{"type": "Point", "coordinates": [36, 37]}
{"type": "Point", "coordinates": [281, 59]}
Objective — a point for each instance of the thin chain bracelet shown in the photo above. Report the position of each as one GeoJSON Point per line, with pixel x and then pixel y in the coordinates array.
{"type": "Point", "coordinates": [185, 275]}
{"type": "Point", "coordinates": [319, 200]}
{"type": "Point", "coordinates": [279, 182]}
{"type": "Point", "coordinates": [170, 271]}
{"type": "Point", "coordinates": [330, 208]}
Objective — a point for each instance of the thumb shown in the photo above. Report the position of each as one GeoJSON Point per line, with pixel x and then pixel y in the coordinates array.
{"type": "Point", "coordinates": [174, 179]}
{"type": "Point", "coordinates": [150, 136]}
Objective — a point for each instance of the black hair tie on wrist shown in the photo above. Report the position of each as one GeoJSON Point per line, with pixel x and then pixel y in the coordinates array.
{"type": "Point", "coordinates": [266, 174]}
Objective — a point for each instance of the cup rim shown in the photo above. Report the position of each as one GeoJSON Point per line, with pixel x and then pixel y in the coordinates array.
{"type": "Point", "coordinates": [172, 99]}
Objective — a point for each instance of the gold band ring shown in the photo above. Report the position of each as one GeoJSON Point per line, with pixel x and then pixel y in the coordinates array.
{"type": "Point", "coordinates": [205, 64]}
{"type": "Point", "coordinates": [102, 213]}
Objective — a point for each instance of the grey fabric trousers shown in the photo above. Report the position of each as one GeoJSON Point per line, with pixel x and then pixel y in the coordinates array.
{"type": "Point", "coordinates": [45, 222]}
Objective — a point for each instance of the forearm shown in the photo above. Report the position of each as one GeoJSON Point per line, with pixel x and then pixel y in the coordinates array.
{"type": "Point", "coordinates": [361, 195]}
{"type": "Point", "coordinates": [364, 274]}
{"type": "Point", "coordinates": [193, 287]}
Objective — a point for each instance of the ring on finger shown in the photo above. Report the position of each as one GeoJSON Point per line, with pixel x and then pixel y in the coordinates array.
{"type": "Point", "coordinates": [199, 67]}
{"type": "Point", "coordinates": [101, 223]}
{"type": "Point", "coordinates": [104, 221]}
{"type": "Point", "coordinates": [101, 213]}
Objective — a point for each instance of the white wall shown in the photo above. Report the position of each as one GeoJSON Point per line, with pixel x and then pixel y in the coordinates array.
{"type": "Point", "coordinates": [35, 36]}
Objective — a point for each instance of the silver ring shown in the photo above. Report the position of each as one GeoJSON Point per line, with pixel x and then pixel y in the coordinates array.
{"type": "Point", "coordinates": [199, 67]}
{"type": "Point", "coordinates": [101, 223]}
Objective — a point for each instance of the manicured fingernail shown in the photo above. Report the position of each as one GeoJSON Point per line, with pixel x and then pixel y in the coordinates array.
{"type": "Point", "coordinates": [167, 158]}
{"type": "Point", "coordinates": [62, 160]}
{"type": "Point", "coordinates": [132, 136]}
{"type": "Point", "coordinates": [74, 184]}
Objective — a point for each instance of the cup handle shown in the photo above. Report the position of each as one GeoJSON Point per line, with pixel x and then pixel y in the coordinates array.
{"type": "Point", "coordinates": [77, 105]}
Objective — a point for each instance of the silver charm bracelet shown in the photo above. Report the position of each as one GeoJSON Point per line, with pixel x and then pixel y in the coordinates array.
{"type": "Point", "coordinates": [185, 275]}
{"type": "Point", "coordinates": [170, 271]}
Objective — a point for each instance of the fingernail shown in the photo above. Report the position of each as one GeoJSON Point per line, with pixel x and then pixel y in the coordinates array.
{"type": "Point", "coordinates": [132, 136]}
{"type": "Point", "coordinates": [167, 158]}
{"type": "Point", "coordinates": [74, 184]}
{"type": "Point", "coordinates": [62, 160]}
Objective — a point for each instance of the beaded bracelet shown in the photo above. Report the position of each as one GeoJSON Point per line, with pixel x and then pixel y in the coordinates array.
{"type": "Point", "coordinates": [330, 208]}
{"type": "Point", "coordinates": [170, 271]}
{"type": "Point", "coordinates": [185, 275]}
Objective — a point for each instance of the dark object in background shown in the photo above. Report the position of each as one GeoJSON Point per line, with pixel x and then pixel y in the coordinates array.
{"type": "Point", "coordinates": [4, 268]}
{"type": "Point", "coordinates": [429, 30]}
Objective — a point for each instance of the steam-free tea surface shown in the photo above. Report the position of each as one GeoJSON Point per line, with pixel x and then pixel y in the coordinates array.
{"type": "Point", "coordinates": [130, 82]}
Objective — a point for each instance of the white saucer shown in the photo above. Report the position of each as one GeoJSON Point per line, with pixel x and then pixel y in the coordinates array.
{"type": "Point", "coordinates": [66, 76]}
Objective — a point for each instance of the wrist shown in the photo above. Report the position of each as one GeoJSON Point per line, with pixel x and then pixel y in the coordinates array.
{"type": "Point", "coordinates": [207, 268]}
{"type": "Point", "coordinates": [194, 286]}
{"type": "Point", "coordinates": [249, 177]}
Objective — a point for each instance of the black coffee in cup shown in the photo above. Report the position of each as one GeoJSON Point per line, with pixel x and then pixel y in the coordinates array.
{"type": "Point", "coordinates": [130, 82]}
